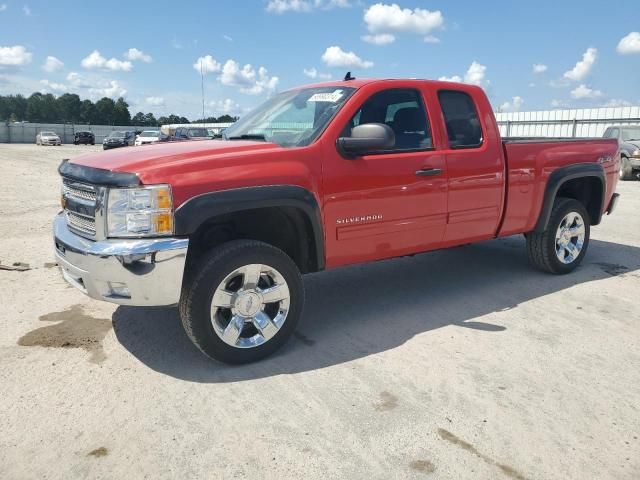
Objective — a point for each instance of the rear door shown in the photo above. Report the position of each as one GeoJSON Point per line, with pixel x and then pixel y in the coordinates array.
{"type": "Point", "coordinates": [475, 166]}
{"type": "Point", "coordinates": [388, 203]}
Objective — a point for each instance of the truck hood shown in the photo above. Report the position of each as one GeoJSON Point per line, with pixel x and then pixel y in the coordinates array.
{"type": "Point", "coordinates": [166, 156]}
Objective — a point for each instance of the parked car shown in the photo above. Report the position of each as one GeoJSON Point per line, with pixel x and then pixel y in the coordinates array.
{"type": "Point", "coordinates": [85, 138]}
{"type": "Point", "coordinates": [147, 137]}
{"type": "Point", "coordinates": [226, 228]}
{"type": "Point", "coordinates": [118, 139]}
{"type": "Point", "coordinates": [628, 137]}
{"type": "Point", "coordinates": [191, 133]}
{"type": "Point", "coordinates": [48, 138]}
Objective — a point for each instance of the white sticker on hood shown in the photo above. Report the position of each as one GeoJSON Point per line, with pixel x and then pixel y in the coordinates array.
{"type": "Point", "coordinates": [332, 97]}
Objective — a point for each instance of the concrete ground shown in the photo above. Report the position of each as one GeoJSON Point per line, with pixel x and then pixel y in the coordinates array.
{"type": "Point", "coordinates": [463, 363]}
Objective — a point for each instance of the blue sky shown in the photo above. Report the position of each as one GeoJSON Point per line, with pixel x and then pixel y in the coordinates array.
{"type": "Point", "coordinates": [587, 52]}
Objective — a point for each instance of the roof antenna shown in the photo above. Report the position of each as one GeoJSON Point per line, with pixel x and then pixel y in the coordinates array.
{"type": "Point", "coordinates": [348, 77]}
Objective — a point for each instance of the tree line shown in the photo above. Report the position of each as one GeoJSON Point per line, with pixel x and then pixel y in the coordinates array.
{"type": "Point", "coordinates": [69, 108]}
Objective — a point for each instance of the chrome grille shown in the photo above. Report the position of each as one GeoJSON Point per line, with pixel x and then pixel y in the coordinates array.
{"type": "Point", "coordinates": [79, 190]}
{"type": "Point", "coordinates": [82, 195]}
{"type": "Point", "coordinates": [81, 223]}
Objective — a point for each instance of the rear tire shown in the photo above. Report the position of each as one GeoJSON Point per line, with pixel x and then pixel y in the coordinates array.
{"type": "Point", "coordinates": [230, 317]}
{"type": "Point", "coordinates": [626, 171]}
{"type": "Point", "coordinates": [563, 245]}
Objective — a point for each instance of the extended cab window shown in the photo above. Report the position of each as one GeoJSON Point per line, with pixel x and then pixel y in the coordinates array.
{"type": "Point", "coordinates": [401, 109]}
{"type": "Point", "coordinates": [461, 117]}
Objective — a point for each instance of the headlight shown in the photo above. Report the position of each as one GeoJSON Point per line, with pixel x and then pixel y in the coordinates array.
{"type": "Point", "coordinates": [636, 154]}
{"type": "Point", "coordinates": [140, 212]}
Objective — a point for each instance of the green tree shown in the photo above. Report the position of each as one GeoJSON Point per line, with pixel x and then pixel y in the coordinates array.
{"type": "Point", "coordinates": [42, 108]}
{"type": "Point", "coordinates": [138, 119]}
{"type": "Point", "coordinates": [69, 106]}
{"type": "Point", "coordinates": [88, 112]}
{"type": "Point", "coordinates": [105, 111]}
{"type": "Point", "coordinates": [13, 107]}
{"type": "Point", "coordinates": [121, 115]}
{"type": "Point", "coordinates": [150, 120]}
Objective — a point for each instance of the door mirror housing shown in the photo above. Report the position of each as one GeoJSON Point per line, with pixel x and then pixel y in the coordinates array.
{"type": "Point", "coordinates": [366, 138]}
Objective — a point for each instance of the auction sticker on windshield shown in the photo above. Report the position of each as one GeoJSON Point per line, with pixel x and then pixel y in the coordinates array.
{"type": "Point", "coordinates": [332, 97]}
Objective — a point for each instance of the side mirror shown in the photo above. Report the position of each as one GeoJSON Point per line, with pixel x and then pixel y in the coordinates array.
{"type": "Point", "coordinates": [369, 137]}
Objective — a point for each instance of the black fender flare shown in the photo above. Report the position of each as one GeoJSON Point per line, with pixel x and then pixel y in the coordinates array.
{"type": "Point", "coordinates": [561, 175]}
{"type": "Point", "coordinates": [200, 209]}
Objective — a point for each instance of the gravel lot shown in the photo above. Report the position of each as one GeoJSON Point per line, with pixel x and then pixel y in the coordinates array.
{"type": "Point", "coordinates": [463, 363]}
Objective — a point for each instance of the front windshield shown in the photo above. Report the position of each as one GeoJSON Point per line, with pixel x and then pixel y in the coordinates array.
{"type": "Point", "coordinates": [630, 134]}
{"type": "Point", "coordinates": [198, 133]}
{"type": "Point", "coordinates": [48, 134]}
{"type": "Point", "coordinates": [116, 135]}
{"type": "Point", "coordinates": [149, 134]}
{"type": "Point", "coordinates": [291, 119]}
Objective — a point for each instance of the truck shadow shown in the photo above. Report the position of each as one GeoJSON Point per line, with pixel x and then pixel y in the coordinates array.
{"type": "Point", "coordinates": [362, 310]}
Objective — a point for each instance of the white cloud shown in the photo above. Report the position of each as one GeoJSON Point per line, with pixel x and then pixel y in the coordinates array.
{"type": "Point", "coordinates": [379, 39]}
{"type": "Point", "coordinates": [78, 81]}
{"type": "Point", "coordinates": [134, 55]}
{"type": "Point", "coordinates": [559, 104]}
{"type": "Point", "coordinates": [431, 39]}
{"type": "Point", "coordinates": [513, 106]}
{"type": "Point", "coordinates": [60, 87]}
{"type": "Point", "coordinates": [175, 43]}
{"type": "Point", "coordinates": [539, 68]}
{"type": "Point", "coordinates": [336, 57]}
{"type": "Point", "coordinates": [154, 101]}
{"type": "Point", "coordinates": [282, 6]}
{"type": "Point", "coordinates": [96, 61]}
{"type": "Point", "coordinates": [111, 89]}
{"type": "Point", "coordinates": [475, 75]}
{"type": "Point", "coordinates": [228, 38]}
{"type": "Point", "coordinates": [617, 102]}
{"type": "Point", "coordinates": [382, 18]}
{"type": "Point", "coordinates": [208, 64]}
{"type": "Point", "coordinates": [52, 64]}
{"type": "Point", "coordinates": [226, 106]}
{"type": "Point", "coordinates": [96, 86]}
{"type": "Point", "coordinates": [314, 73]}
{"type": "Point", "coordinates": [249, 80]}
{"type": "Point", "coordinates": [583, 67]}
{"type": "Point", "coordinates": [26, 10]}
{"type": "Point", "coordinates": [16, 56]}
{"type": "Point", "coordinates": [582, 91]}
{"type": "Point", "coordinates": [455, 78]}
{"type": "Point", "coordinates": [3, 7]}
{"type": "Point", "coordinates": [629, 44]}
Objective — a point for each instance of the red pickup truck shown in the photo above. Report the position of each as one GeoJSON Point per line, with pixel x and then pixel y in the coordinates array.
{"type": "Point", "coordinates": [318, 177]}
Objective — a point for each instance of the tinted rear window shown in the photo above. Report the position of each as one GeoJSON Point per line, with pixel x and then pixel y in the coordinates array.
{"type": "Point", "coordinates": [461, 117]}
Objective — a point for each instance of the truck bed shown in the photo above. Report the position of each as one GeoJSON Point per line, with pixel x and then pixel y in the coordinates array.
{"type": "Point", "coordinates": [529, 163]}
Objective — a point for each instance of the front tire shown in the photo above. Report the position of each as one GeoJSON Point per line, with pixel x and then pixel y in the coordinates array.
{"type": "Point", "coordinates": [626, 171]}
{"type": "Point", "coordinates": [242, 301]}
{"type": "Point", "coordinates": [563, 245]}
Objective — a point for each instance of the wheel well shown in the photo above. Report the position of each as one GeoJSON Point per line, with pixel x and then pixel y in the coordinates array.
{"type": "Point", "coordinates": [286, 228]}
{"type": "Point", "coordinates": [588, 191]}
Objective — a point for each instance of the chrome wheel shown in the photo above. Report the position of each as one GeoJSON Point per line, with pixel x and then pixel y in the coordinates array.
{"type": "Point", "coordinates": [250, 306]}
{"type": "Point", "coordinates": [570, 237]}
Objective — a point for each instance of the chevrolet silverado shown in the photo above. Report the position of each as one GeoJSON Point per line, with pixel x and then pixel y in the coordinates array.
{"type": "Point", "coordinates": [315, 178]}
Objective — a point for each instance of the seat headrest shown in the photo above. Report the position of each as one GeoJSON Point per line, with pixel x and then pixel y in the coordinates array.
{"type": "Point", "coordinates": [408, 120]}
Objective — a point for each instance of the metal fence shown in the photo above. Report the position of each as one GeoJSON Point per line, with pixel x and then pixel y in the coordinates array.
{"type": "Point", "coordinates": [587, 122]}
{"type": "Point", "coordinates": [26, 132]}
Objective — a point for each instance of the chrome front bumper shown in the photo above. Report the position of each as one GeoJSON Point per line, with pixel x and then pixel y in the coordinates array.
{"type": "Point", "coordinates": [141, 272]}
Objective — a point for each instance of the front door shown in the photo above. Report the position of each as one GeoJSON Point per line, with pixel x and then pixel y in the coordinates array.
{"type": "Point", "coordinates": [388, 203]}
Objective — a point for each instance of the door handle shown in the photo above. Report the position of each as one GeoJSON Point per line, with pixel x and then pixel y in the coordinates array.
{"type": "Point", "coordinates": [428, 172]}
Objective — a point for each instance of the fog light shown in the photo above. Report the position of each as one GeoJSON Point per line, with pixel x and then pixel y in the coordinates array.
{"type": "Point", "coordinates": [118, 289]}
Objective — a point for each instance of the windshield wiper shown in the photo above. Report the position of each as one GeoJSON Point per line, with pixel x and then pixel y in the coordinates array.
{"type": "Point", "coordinates": [249, 136]}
